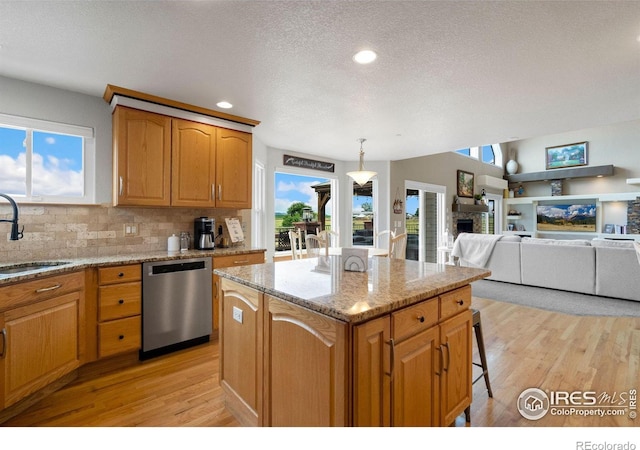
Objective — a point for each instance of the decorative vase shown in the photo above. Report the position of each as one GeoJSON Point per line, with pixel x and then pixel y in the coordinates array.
{"type": "Point", "coordinates": [512, 166]}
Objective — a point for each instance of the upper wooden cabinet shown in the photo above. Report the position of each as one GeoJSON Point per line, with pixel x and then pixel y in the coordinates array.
{"type": "Point", "coordinates": [141, 158]}
{"type": "Point", "coordinates": [193, 164]}
{"type": "Point", "coordinates": [165, 161]}
{"type": "Point", "coordinates": [233, 169]}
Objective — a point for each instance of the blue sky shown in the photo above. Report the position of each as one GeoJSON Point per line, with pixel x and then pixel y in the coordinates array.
{"type": "Point", "coordinates": [295, 188]}
{"type": "Point", "coordinates": [56, 163]}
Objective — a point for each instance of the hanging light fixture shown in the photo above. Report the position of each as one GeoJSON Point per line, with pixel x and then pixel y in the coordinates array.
{"type": "Point", "coordinates": [362, 176]}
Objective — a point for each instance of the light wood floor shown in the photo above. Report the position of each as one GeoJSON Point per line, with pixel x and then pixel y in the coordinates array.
{"type": "Point", "coordinates": [525, 347]}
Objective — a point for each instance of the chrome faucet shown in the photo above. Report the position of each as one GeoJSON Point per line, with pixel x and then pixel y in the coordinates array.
{"type": "Point", "coordinates": [15, 234]}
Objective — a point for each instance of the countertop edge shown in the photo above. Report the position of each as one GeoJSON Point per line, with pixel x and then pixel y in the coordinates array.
{"type": "Point", "coordinates": [66, 265]}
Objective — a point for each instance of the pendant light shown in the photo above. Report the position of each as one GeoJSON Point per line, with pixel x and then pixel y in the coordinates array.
{"type": "Point", "coordinates": [362, 176]}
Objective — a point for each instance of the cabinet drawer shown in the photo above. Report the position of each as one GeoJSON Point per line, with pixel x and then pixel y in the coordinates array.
{"type": "Point", "coordinates": [453, 302]}
{"type": "Point", "coordinates": [119, 336]}
{"type": "Point", "coordinates": [40, 289]}
{"type": "Point", "coordinates": [119, 300]}
{"type": "Point", "coordinates": [119, 274]}
{"type": "Point", "coordinates": [238, 260]}
{"type": "Point", "coordinates": [416, 318]}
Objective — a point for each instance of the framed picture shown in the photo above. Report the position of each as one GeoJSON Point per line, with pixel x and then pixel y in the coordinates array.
{"type": "Point", "coordinates": [465, 184]}
{"type": "Point", "coordinates": [608, 228]}
{"type": "Point", "coordinates": [569, 155]}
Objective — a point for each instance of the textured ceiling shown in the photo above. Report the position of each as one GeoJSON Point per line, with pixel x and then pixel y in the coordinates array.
{"type": "Point", "coordinates": [448, 74]}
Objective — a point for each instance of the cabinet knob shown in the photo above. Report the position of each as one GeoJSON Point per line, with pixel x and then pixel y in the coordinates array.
{"type": "Point", "coordinates": [121, 301]}
{"type": "Point", "coordinates": [121, 337]}
{"type": "Point", "coordinates": [121, 274]}
{"type": "Point", "coordinates": [460, 302]}
{"type": "Point", "coordinates": [421, 319]}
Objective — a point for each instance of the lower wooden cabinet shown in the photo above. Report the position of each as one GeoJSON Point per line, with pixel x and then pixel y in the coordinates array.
{"type": "Point", "coordinates": [229, 261]}
{"type": "Point", "coordinates": [285, 365]}
{"type": "Point", "coordinates": [305, 379]}
{"type": "Point", "coordinates": [39, 333]}
{"type": "Point", "coordinates": [119, 309]}
{"type": "Point", "coordinates": [412, 368]}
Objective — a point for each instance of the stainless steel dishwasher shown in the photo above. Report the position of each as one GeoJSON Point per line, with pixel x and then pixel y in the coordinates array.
{"type": "Point", "coordinates": [176, 305]}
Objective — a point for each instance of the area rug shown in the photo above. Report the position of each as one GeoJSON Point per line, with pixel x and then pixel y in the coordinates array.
{"type": "Point", "coordinates": [554, 300]}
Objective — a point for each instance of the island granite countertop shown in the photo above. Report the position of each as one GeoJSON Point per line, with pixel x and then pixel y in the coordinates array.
{"type": "Point", "coordinates": [73, 264]}
{"type": "Point", "coordinates": [320, 284]}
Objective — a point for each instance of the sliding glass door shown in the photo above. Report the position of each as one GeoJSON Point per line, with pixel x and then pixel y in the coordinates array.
{"type": "Point", "coordinates": [425, 221]}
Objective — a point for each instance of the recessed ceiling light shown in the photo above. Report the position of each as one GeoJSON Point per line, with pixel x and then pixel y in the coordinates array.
{"type": "Point", "coordinates": [365, 56]}
{"type": "Point", "coordinates": [225, 105]}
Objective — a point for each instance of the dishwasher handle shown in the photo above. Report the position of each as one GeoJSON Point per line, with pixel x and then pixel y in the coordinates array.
{"type": "Point", "coordinates": [162, 269]}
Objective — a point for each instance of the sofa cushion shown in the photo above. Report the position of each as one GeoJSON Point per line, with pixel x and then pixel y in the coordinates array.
{"type": "Point", "coordinates": [510, 238]}
{"type": "Point", "coordinates": [597, 242]}
{"type": "Point", "coordinates": [617, 272]}
{"type": "Point", "coordinates": [580, 242]}
{"type": "Point", "coordinates": [559, 266]}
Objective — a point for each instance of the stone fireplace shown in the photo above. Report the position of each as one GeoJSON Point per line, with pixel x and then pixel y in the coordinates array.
{"type": "Point", "coordinates": [466, 222]}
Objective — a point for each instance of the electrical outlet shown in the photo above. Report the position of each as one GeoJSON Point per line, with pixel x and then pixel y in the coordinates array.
{"type": "Point", "coordinates": [130, 229]}
{"type": "Point", "coordinates": [237, 314]}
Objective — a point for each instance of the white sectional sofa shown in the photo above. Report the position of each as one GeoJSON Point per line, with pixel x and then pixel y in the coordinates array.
{"type": "Point", "coordinates": [608, 268]}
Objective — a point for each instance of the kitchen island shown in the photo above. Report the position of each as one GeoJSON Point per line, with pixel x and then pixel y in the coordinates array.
{"type": "Point", "coordinates": [305, 343]}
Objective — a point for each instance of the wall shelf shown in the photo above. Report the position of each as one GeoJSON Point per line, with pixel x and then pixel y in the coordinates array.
{"type": "Point", "coordinates": [561, 174]}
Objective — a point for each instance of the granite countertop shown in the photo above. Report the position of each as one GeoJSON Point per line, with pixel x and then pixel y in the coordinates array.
{"type": "Point", "coordinates": [321, 285]}
{"type": "Point", "coordinates": [73, 264]}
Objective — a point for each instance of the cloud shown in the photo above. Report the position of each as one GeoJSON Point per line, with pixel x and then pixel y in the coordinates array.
{"type": "Point", "coordinates": [303, 188]}
{"type": "Point", "coordinates": [50, 140]}
{"type": "Point", "coordinates": [52, 178]}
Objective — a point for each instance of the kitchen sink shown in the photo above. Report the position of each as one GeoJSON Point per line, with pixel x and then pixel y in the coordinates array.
{"type": "Point", "coordinates": [25, 267]}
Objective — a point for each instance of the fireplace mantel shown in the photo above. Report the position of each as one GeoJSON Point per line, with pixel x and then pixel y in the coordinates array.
{"type": "Point", "coordinates": [464, 207]}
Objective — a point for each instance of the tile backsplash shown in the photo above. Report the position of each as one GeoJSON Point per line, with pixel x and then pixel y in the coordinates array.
{"type": "Point", "coordinates": [64, 231]}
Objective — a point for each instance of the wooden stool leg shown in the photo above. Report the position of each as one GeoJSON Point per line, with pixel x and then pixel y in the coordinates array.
{"type": "Point", "coordinates": [467, 414]}
{"type": "Point", "coordinates": [483, 355]}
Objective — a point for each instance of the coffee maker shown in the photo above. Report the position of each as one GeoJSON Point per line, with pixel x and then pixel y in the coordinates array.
{"type": "Point", "coordinates": [203, 233]}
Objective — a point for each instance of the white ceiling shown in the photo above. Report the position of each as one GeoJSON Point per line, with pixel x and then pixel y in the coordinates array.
{"type": "Point", "coordinates": [449, 74]}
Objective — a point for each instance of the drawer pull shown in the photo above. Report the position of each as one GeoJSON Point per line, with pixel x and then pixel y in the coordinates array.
{"type": "Point", "coordinates": [121, 274]}
{"type": "Point", "coordinates": [421, 319]}
{"type": "Point", "coordinates": [244, 261]}
{"type": "Point", "coordinates": [392, 359]}
{"type": "Point", "coordinates": [51, 288]}
{"type": "Point", "coordinates": [460, 302]}
{"type": "Point", "coordinates": [3, 333]}
{"type": "Point", "coordinates": [121, 301]}
{"type": "Point", "coordinates": [121, 337]}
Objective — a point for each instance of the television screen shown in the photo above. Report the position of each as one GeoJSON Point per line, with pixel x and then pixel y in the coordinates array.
{"type": "Point", "coordinates": [566, 218]}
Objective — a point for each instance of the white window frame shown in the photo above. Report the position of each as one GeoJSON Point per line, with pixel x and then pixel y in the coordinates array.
{"type": "Point", "coordinates": [474, 152]}
{"type": "Point", "coordinates": [88, 158]}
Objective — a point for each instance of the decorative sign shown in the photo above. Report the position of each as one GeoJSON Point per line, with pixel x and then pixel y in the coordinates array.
{"type": "Point", "coordinates": [235, 229]}
{"type": "Point", "coordinates": [308, 163]}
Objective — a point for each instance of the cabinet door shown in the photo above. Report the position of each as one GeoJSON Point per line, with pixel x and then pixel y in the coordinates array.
{"type": "Point", "coordinates": [415, 380]}
{"type": "Point", "coordinates": [193, 152]}
{"type": "Point", "coordinates": [233, 169]}
{"type": "Point", "coordinates": [305, 367]}
{"type": "Point", "coordinates": [241, 341]}
{"type": "Point", "coordinates": [455, 336]}
{"type": "Point", "coordinates": [40, 345]}
{"type": "Point", "coordinates": [372, 374]}
{"type": "Point", "coordinates": [142, 158]}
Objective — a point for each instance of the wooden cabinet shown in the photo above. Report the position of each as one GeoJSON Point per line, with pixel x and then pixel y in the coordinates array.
{"type": "Point", "coordinates": [141, 158]}
{"type": "Point", "coordinates": [233, 169]}
{"type": "Point", "coordinates": [40, 325]}
{"type": "Point", "coordinates": [193, 164]}
{"type": "Point", "coordinates": [219, 262]}
{"type": "Point", "coordinates": [285, 365]}
{"type": "Point", "coordinates": [241, 367]}
{"type": "Point", "coordinates": [413, 367]}
{"type": "Point", "coordinates": [119, 309]}
{"type": "Point", "coordinates": [165, 161]}
{"type": "Point", "coordinates": [305, 384]}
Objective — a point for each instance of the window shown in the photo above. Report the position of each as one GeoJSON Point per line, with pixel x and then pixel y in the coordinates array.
{"type": "Point", "coordinates": [46, 162]}
{"type": "Point", "coordinates": [363, 214]}
{"type": "Point", "coordinates": [489, 154]}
